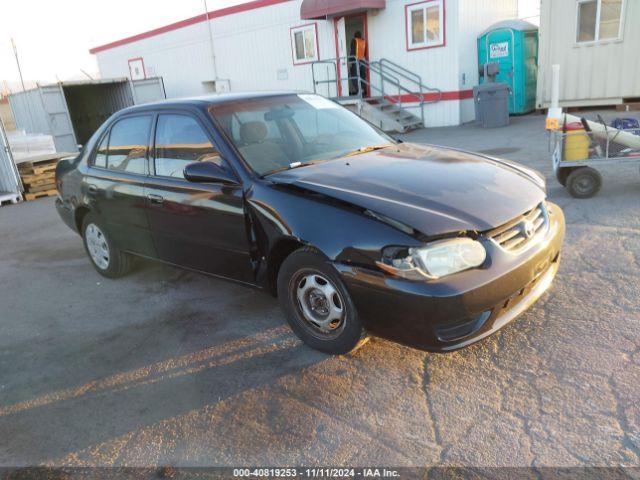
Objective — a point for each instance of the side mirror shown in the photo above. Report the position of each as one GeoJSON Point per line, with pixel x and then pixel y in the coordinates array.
{"type": "Point", "coordinates": [208, 172]}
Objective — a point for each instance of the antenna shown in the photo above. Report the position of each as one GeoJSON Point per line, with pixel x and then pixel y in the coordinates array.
{"type": "Point", "coordinates": [15, 52]}
{"type": "Point", "coordinates": [90, 77]}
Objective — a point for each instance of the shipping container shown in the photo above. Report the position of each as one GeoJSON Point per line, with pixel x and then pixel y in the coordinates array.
{"type": "Point", "coordinates": [5, 114]}
{"type": "Point", "coordinates": [10, 184]}
{"type": "Point", "coordinates": [595, 42]}
{"type": "Point", "coordinates": [72, 111]}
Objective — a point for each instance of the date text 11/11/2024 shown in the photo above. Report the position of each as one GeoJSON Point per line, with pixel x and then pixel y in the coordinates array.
{"type": "Point", "coordinates": [315, 473]}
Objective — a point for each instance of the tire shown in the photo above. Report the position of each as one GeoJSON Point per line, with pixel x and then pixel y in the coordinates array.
{"type": "Point", "coordinates": [562, 174]}
{"type": "Point", "coordinates": [310, 290]}
{"type": "Point", "coordinates": [584, 182]}
{"type": "Point", "coordinates": [108, 260]}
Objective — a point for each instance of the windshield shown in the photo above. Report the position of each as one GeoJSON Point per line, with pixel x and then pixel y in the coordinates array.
{"type": "Point", "coordinates": [288, 131]}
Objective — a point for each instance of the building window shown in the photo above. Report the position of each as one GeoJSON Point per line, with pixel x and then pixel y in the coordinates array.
{"type": "Point", "coordinates": [425, 24]}
{"type": "Point", "coordinates": [599, 20]}
{"type": "Point", "coordinates": [304, 43]}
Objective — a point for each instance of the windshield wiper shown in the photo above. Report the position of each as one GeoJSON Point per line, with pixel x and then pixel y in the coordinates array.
{"type": "Point", "coordinates": [360, 150]}
{"type": "Point", "coordinates": [291, 166]}
{"type": "Point", "coordinates": [368, 149]}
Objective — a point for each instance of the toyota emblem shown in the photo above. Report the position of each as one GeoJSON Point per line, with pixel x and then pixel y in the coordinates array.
{"type": "Point", "coordinates": [528, 229]}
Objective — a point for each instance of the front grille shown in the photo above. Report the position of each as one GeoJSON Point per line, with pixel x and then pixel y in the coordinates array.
{"type": "Point", "coordinates": [522, 231]}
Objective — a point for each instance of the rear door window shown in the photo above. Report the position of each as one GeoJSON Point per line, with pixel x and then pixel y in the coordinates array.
{"type": "Point", "coordinates": [128, 143]}
{"type": "Point", "coordinates": [181, 140]}
{"type": "Point", "coordinates": [100, 159]}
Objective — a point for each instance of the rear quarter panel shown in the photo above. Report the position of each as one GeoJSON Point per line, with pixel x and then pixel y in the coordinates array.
{"type": "Point", "coordinates": [69, 186]}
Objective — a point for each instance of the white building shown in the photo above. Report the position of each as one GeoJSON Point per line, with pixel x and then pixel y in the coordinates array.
{"type": "Point", "coordinates": [595, 42]}
{"type": "Point", "coordinates": [277, 44]}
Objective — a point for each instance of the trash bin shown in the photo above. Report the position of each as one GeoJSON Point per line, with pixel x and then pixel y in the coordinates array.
{"type": "Point", "coordinates": [492, 104]}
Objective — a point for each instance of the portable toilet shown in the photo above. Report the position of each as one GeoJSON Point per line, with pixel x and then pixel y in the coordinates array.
{"type": "Point", "coordinates": [513, 45]}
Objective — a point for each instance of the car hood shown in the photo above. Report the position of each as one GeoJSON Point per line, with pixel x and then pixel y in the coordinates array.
{"type": "Point", "coordinates": [431, 189]}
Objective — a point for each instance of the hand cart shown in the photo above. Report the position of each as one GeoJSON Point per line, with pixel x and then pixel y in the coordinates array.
{"type": "Point", "coordinates": [579, 152]}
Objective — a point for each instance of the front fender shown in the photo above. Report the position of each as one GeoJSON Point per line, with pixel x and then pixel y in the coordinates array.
{"type": "Point", "coordinates": [342, 232]}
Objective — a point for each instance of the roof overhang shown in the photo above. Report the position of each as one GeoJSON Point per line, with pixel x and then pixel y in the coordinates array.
{"type": "Point", "coordinates": [322, 9]}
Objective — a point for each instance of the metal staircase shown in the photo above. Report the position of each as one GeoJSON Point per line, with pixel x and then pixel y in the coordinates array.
{"type": "Point", "coordinates": [389, 95]}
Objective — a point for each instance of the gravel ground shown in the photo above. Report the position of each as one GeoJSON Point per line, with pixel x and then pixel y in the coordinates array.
{"type": "Point", "coordinates": [167, 367]}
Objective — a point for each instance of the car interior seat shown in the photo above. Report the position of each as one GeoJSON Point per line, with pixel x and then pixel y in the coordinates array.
{"type": "Point", "coordinates": [263, 155]}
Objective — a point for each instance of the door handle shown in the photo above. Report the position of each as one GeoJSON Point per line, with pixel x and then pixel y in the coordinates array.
{"type": "Point", "coordinates": [156, 199]}
{"type": "Point", "coordinates": [92, 189]}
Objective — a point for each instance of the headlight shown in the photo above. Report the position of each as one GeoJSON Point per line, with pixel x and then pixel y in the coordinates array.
{"type": "Point", "coordinates": [434, 260]}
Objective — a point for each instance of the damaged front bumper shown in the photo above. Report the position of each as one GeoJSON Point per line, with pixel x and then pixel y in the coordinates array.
{"type": "Point", "coordinates": [456, 311]}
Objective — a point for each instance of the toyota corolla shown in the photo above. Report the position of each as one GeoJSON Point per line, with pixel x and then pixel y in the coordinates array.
{"type": "Point", "coordinates": [356, 233]}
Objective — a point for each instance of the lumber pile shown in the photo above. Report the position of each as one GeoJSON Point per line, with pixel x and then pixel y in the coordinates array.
{"type": "Point", "coordinates": [38, 178]}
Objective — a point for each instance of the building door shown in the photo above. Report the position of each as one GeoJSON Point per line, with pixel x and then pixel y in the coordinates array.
{"type": "Point", "coordinates": [345, 31]}
{"type": "Point", "coordinates": [147, 90]}
{"type": "Point", "coordinates": [54, 104]}
{"type": "Point", "coordinates": [500, 45]}
{"type": "Point", "coordinates": [343, 52]}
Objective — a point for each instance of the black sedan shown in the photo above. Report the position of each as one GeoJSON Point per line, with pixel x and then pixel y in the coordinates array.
{"type": "Point", "coordinates": [355, 232]}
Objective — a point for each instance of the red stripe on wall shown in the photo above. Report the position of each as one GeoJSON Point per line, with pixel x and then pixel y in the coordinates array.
{"type": "Point", "coordinates": [245, 7]}
{"type": "Point", "coordinates": [430, 97]}
{"type": "Point", "coordinates": [459, 95]}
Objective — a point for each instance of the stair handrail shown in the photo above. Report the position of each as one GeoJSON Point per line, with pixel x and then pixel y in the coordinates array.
{"type": "Point", "coordinates": [411, 76]}
{"type": "Point", "coordinates": [405, 72]}
{"type": "Point", "coordinates": [375, 68]}
{"type": "Point", "coordinates": [330, 61]}
{"type": "Point", "coordinates": [351, 60]}
{"type": "Point", "coordinates": [372, 68]}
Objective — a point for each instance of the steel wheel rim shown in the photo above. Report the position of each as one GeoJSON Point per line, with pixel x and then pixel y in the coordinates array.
{"type": "Point", "coordinates": [319, 304]}
{"type": "Point", "coordinates": [97, 246]}
{"type": "Point", "coordinates": [584, 184]}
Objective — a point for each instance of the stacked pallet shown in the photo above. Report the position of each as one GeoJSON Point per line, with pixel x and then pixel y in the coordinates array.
{"type": "Point", "coordinates": [38, 178]}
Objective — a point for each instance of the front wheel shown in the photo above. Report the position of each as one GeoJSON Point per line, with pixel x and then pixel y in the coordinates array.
{"type": "Point", "coordinates": [105, 256]}
{"type": "Point", "coordinates": [317, 305]}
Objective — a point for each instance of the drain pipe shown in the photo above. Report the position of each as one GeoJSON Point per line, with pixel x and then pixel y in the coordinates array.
{"type": "Point", "coordinates": [213, 53]}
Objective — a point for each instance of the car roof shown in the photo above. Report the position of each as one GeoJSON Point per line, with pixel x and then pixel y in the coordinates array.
{"type": "Point", "coordinates": [206, 100]}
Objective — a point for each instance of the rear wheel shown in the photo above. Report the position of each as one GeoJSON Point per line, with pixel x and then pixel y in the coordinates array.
{"type": "Point", "coordinates": [105, 257]}
{"type": "Point", "coordinates": [584, 182]}
{"type": "Point", "coordinates": [317, 305]}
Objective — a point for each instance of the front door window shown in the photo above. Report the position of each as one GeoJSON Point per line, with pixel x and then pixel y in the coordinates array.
{"type": "Point", "coordinates": [180, 140]}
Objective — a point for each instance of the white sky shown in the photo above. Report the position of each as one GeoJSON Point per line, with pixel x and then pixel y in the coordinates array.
{"type": "Point", "coordinates": [54, 36]}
